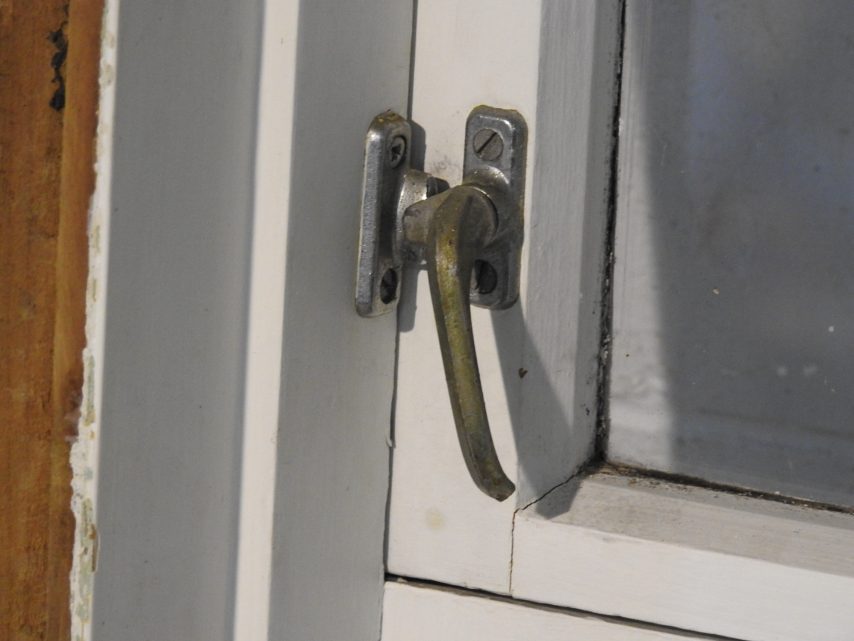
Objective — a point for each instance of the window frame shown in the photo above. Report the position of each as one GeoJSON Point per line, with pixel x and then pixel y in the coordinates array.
{"type": "Point", "coordinates": [309, 464]}
{"type": "Point", "coordinates": [441, 528]}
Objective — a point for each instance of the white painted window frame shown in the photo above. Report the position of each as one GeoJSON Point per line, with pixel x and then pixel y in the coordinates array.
{"type": "Point", "coordinates": [300, 496]}
{"type": "Point", "coordinates": [670, 554]}
{"type": "Point", "coordinates": [415, 612]}
{"type": "Point", "coordinates": [698, 559]}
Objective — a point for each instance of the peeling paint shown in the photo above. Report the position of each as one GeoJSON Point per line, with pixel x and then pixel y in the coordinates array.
{"type": "Point", "coordinates": [88, 414]}
{"type": "Point", "coordinates": [95, 239]}
{"type": "Point", "coordinates": [107, 75]}
{"type": "Point", "coordinates": [84, 458]}
{"type": "Point", "coordinates": [86, 558]}
{"type": "Point", "coordinates": [85, 450]}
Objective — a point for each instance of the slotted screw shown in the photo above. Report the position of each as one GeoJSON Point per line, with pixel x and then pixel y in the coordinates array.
{"type": "Point", "coordinates": [488, 144]}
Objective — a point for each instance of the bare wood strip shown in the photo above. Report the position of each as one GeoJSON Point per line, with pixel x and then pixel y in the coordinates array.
{"type": "Point", "coordinates": [48, 95]}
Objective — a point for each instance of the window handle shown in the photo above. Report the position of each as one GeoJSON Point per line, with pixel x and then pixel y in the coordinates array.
{"type": "Point", "coordinates": [460, 224]}
{"type": "Point", "coordinates": [470, 238]}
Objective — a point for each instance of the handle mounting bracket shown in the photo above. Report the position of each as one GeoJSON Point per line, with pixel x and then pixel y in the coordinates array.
{"type": "Point", "coordinates": [494, 161]}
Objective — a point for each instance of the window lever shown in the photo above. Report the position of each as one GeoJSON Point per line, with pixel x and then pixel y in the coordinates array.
{"type": "Point", "coordinates": [470, 238]}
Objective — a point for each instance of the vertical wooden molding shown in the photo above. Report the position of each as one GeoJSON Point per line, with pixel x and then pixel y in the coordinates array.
{"type": "Point", "coordinates": [49, 53]}
{"type": "Point", "coordinates": [77, 185]}
{"type": "Point", "coordinates": [30, 155]}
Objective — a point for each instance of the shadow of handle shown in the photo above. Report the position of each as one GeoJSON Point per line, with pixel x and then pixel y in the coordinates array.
{"type": "Point", "coordinates": [462, 225]}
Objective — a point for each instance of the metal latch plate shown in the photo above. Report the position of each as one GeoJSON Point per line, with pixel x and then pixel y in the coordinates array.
{"type": "Point", "coordinates": [378, 273]}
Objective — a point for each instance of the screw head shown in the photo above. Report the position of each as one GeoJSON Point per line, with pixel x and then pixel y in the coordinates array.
{"type": "Point", "coordinates": [487, 144]}
{"type": "Point", "coordinates": [396, 151]}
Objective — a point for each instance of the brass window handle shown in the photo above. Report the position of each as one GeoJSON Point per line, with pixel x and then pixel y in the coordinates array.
{"type": "Point", "coordinates": [470, 237]}
{"type": "Point", "coordinates": [462, 225]}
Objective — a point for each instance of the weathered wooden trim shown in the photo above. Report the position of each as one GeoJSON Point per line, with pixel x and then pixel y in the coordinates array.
{"type": "Point", "coordinates": [48, 96]}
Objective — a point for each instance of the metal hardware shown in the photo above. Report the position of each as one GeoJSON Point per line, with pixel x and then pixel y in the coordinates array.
{"type": "Point", "coordinates": [488, 144]}
{"type": "Point", "coordinates": [469, 236]}
{"type": "Point", "coordinates": [388, 185]}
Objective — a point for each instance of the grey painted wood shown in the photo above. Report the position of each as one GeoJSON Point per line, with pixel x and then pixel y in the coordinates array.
{"type": "Point", "coordinates": [180, 224]}
{"type": "Point", "coordinates": [191, 178]}
{"type": "Point", "coordinates": [734, 291]}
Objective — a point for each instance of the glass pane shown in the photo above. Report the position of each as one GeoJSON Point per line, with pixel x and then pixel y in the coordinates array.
{"type": "Point", "coordinates": [733, 355]}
